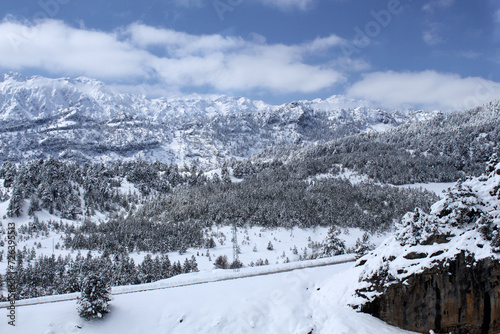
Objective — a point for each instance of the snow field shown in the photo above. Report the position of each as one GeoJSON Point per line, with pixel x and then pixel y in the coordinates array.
{"type": "Point", "coordinates": [298, 302]}
{"type": "Point", "coordinates": [252, 241]}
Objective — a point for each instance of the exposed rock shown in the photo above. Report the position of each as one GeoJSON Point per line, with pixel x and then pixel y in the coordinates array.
{"type": "Point", "coordinates": [439, 252]}
{"type": "Point", "coordinates": [415, 255]}
{"type": "Point", "coordinates": [437, 239]}
{"type": "Point", "coordinates": [459, 296]}
{"type": "Point", "coordinates": [455, 289]}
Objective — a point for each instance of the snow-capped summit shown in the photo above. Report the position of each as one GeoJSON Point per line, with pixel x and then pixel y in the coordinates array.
{"type": "Point", "coordinates": [82, 117]}
{"type": "Point", "coordinates": [37, 98]}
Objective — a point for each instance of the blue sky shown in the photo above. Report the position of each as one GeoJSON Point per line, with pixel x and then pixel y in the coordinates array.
{"type": "Point", "coordinates": [440, 54]}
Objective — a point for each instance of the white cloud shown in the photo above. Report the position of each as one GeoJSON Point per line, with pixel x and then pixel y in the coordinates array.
{"type": "Point", "coordinates": [325, 43]}
{"type": "Point", "coordinates": [348, 64]}
{"type": "Point", "coordinates": [58, 48]}
{"type": "Point", "coordinates": [180, 44]}
{"type": "Point", "coordinates": [428, 89]}
{"type": "Point", "coordinates": [167, 58]}
{"type": "Point", "coordinates": [431, 6]}
{"type": "Point", "coordinates": [470, 54]}
{"type": "Point", "coordinates": [497, 16]}
{"type": "Point", "coordinates": [285, 5]}
{"type": "Point", "coordinates": [288, 4]}
{"type": "Point", "coordinates": [431, 37]}
{"type": "Point", "coordinates": [189, 3]}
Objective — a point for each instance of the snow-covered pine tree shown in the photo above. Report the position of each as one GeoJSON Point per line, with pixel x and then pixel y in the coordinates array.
{"type": "Point", "coordinates": [194, 264]}
{"type": "Point", "coordinates": [416, 228]}
{"type": "Point", "coordinates": [225, 177]}
{"type": "Point", "coordinates": [34, 205]}
{"type": "Point", "coordinates": [221, 262]}
{"type": "Point", "coordinates": [333, 245]}
{"type": "Point", "coordinates": [363, 245]}
{"type": "Point", "coordinates": [16, 202]}
{"type": "Point", "coordinates": [492, 163]}
{"type": "Point", "coordinates": [95, 297]}
{"type": "Point", "coordinates": [216, 179]}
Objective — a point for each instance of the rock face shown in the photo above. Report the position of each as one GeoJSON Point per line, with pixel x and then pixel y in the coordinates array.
{"type": "Point", "coordinates": [441, 270]}
{"type": "Point", "coordinates": [461, 296]}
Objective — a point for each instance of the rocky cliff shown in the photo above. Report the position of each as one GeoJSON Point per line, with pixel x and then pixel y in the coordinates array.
{"type": "Point", "coordinates": [441, 271]}
{"type": "Point", "coordinates": [462, 296]}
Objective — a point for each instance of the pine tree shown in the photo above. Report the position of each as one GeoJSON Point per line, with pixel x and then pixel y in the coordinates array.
{"type": "Point", "coordinates": [226, 178]}
{"type": "Point", "coordinates": [16, 202]}
{"type": "Point", "coordinates": [363, 245]}
{"type": "Point", "coordinates": [194, 264]}
{"type": "Point", "coordinates": [236, 265]}
{"type": "Point", "coordinates": [333, 245]}
{"type": "Point", "coordinates": [186, 268]}
{"type": "Point", "coordinates": [94, 299]}
{"type": "Point", "coordinates": [221, 262]}
{"type": "Point", "coordinates": [166, 266]}
{"type": "Point", "coordinates": [216, 179]}
{"type": "Point", "coordinates": [210, 243]}
{"type": "Point", "coordinates": [492, 163]}
{"type": "Point", "coordinates": [146, 269]}
{"type": "Point", "coordinates": [34, 205]}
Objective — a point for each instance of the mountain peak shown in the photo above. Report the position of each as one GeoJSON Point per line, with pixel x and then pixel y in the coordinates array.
{"type": "Point", "coordinates": [92, 119]}
{"type": "Point", "coordinates": [12, 76]}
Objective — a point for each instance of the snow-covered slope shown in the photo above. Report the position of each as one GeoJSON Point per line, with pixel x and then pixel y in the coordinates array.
{"type": "Point", "coordinates": [466, 220]}
{"type": "Point", "coordinates": [292, 302]}
{"type": "Point", "coordinates": [83, 119]}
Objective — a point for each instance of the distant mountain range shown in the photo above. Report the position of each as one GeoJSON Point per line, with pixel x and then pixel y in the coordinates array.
{"type": "Point", "coordinates": [82, 119]}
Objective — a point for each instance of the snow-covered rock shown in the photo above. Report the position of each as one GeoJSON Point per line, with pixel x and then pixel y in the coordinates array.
{"type": "Point", "coordinates": [441, 271]}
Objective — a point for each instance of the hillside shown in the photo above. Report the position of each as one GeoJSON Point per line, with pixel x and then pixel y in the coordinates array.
{"type": "Point", "coordinates": [442, 149]}
{"type": "Point", "coordinates": [83, 120]}
{"type": "Point", "coordinates": [446, 263]}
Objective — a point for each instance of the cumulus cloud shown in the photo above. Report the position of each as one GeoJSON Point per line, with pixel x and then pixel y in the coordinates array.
{"type": "Point", "coordinates": [428, 89]}
{"type": "Point", "coordinates": [168, 58]}
{"type": "Point", "coordinates": [58, 48]}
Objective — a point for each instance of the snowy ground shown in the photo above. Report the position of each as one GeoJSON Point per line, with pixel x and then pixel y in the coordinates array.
{"type": "Point", "coordinates": [302, 301]}
{"type": "Point", "coordinates": [203, 277]}
{"type": "Point", "coordinates": [278, 303]}
{"type": "Point", "coordinates": [252, 241]}
{"type": "Point", "coordinates": [354, 177]}
{"type": "Point", "coordinates": [437, 188]}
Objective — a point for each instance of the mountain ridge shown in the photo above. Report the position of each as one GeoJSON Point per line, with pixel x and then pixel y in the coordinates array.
{"type": "Point", "coordinates": [84, 119]}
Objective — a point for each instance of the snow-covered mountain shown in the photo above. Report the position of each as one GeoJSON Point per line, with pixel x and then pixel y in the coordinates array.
{"type": "Point", "coordinates": [40, 99]}
{"type": "Point", "coordinates": [83, 119]}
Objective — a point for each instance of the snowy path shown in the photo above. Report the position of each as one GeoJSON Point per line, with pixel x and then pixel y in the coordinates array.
{"type": "Point", "coordinates": [197, 278]}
